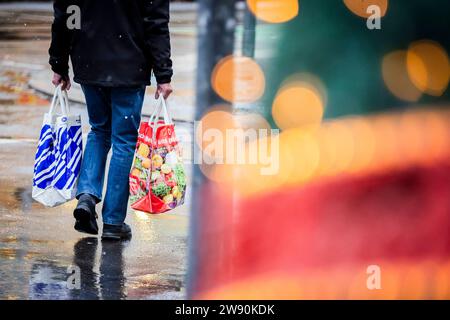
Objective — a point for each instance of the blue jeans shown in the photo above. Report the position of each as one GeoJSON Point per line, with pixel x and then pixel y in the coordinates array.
{"type": "Point", "coordinates": [114, 116]}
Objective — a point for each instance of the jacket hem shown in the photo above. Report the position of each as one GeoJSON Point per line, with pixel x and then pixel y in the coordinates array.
{"type": "Point", "coordinates": [111, 83]}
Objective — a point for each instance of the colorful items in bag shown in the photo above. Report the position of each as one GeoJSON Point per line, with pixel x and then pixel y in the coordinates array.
{"type": "Point", "coordinates": [157, 178]}
{"type": "Point", "coordinates": [58, 156]}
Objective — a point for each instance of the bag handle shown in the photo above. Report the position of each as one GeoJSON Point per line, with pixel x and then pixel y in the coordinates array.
{"type": "Point", "coordinates": [161, 107]}
{"type": "Point", "coordinates": [66, 100]}
{"type": "Point", "coordinates": [167, 117]}
{"type": "Point", "coordinates": [61, 97]}
{"type": "Point", "coordinates": [155, 113]}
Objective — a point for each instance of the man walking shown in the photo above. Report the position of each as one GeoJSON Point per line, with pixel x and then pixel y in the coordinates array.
{"type": "Point", "coordinates": [113, 52]}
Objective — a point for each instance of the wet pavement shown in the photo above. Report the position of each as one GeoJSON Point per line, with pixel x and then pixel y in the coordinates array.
{"type": "Point", "coordinates": [39, 249]}
{"type": "Point", "coordinates": [37, 244]}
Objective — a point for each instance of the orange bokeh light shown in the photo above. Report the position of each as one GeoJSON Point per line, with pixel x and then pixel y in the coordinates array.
{"type": "Point", "coordinates": [396, 77]}
{"type": "Point", "coordinates": [399, 280]}
{"type": "Point", "coordinates": [274, 11]}
{"type": "Point", "coordinates": [428, 67]}
{"type": "Point", "coordinates": [216, 121]}
{"type": "Point", "coordinates": [298, 104]}
{"type": "Point", "coordinates": [344, 144]}
{"type": "Point", "coordinates": [303, 149]}
{"type": "Point", "coordinates": [219, 134]}
{"type": "Point", "coordinates": [411, 138]}
{"type": "Point", "coordinates": [437, 136]}
{"type": "Point", "coordinates": [238, 79]}
{"type": "Point", "coordinates": [360, 7]}
{"type": "Point", "coordinates": [364, 144]}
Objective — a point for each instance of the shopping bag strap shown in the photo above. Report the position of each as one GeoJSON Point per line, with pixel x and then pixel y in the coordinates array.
{"type": "Point", "coordinates": [66, 100]}
{"type": "Point", "coordinates": [153, 121]}
{"type": "Point", "coordinates": [160, 107]}
{"type": "Point", "coordinates": [165, 110]}
{"type": "Point", "coordinates": [60, 96]}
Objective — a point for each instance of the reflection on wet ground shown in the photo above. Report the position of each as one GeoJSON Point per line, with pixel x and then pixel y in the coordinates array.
{"type": "Point", "coordinates": [38, 245]}
{"type": "Point", "coordinates": [137, 269]}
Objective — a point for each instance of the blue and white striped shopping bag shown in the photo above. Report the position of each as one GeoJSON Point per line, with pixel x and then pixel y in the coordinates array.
{"type": "Point", "coordinates": [59, 152]}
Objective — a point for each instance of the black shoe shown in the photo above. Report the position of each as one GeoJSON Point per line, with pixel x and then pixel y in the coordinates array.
{"type": "Point", "coordinates": [114, 232]}
{"type": "Point", "coordinates": [85, 215]}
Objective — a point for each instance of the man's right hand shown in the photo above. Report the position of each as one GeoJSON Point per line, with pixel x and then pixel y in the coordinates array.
{"type": "Point", "coordinates": [65, 81]}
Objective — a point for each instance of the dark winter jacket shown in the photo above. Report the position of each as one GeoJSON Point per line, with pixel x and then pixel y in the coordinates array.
{"type": "Point", "coordinates": [119, 43]}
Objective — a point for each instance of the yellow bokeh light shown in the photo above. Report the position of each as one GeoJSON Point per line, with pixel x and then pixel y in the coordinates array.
{"type": "Point", "coordinates": [396, 77]}
{"type": "Point", "coordinates": [347, 146]}
{"type": "Point", "coordinates": [387, 146]}
{"type": "Point", "coordinates": [437, 135]}
{"type": "Point", "coordinates": [274, 11]}
{"type": "Point", "coordinates": [254, 181]}
{"type": "Point", "coordinates": [414, 279]}
{"type": "Point", "coordinates": [303, 148]}
{"type": "Point", "coordinates": [411, 138]}
{"type": "Point", "coordinates": [265, 286]}
{"type": "Point", "coordinates": [239, 139]}
{"type": "Point", "coordinates": [442, 282]}
{"type": "Point", "coordinates": [327, 150]}
{"type": "Point", "coordinates": [428, 67]}
{"type": "Point", "coordinates": [415, 282]}
{"type": "Point", "coordinates": [298, 104]}
{"type": "Point", "coordinates": [214, 123]}
{"type": "Point", "coordinates": [360, 7]}
{"type": "Point", "coordinates": [391, 282]}
{"type": "Point", "coordinates": [364, 144]}
{"type": "Point", "coordinates": [220, 173]}
{"type": "Point", "coordinates": [238, 79]}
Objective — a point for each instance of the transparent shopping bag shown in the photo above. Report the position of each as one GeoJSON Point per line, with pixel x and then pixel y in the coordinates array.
{"type": "Point", "coordinates": [157, 178]}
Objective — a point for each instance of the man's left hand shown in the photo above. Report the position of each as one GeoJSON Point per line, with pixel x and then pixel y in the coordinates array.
{"type": "Point", "coordinates": [164, 89]}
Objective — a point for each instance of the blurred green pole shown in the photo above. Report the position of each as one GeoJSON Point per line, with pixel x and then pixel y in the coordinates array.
{"type": "Point", "coordinates": [216, 28]}
{"type": "Point", "coordinates": [248, 46]}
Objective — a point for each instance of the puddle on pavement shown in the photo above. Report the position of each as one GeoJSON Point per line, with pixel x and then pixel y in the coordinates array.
{"type": "Point", "coordinates": [11, 254]}
{"type": "Point", "coordinates": [14, 90]}
{"type": "Point", "coordinates": [106, 270]}
{"type": "Point", "coordinates": [37, 245]}
{"type": "Point", "coordinates": [23, 197]}
{"type": "Point", "coordinates": [15, 198]}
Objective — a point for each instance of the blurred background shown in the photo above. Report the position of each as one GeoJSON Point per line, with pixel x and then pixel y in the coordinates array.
{"type": "Point", "coordinates": [363, 179]}
{"type": "Point", "coordinates": [362, 158]}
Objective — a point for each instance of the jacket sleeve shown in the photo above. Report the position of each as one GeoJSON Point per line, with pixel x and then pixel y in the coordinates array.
{"type": "Point", "coordinates": [61, 38]}
{"type": "Point", "coordinates": [157, 38]}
